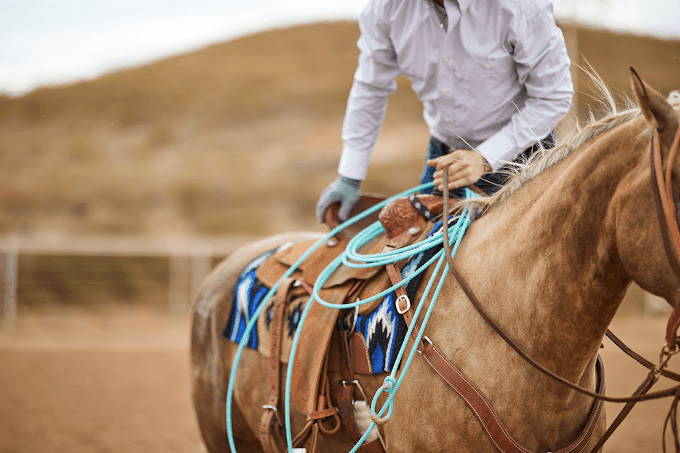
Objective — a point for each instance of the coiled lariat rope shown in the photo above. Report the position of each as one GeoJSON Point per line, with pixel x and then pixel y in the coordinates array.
{"type": "Point", "coordinates": [352, 258]}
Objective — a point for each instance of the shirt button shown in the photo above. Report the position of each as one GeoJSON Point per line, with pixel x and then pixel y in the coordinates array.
{"type": "Point", "coordinates": [445, 91]}
{"type": "Point", "coordinates": [486, 66]}
{"type": "Point", "coordinates": [446, 59]}
{"type": "Point", "coordinates": [463, 10]}
{"type": "Point", "coordinates": [447, 120]}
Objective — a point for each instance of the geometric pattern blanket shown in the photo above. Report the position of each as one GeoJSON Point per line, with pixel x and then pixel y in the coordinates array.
{"type": "Point", "coordinates": [384, 329]}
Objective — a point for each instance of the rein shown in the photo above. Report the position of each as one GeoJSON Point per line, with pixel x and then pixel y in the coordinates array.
{"type": "Point", "coordinates": [667, 200]}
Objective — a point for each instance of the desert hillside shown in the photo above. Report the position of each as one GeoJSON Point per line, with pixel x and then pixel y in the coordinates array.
{"type": "Point", "coordinates": [238, 137]}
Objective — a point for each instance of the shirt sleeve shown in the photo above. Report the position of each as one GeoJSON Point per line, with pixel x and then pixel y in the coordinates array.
{"type": "Point", "coordinates": [542, 64]}
{"type": "Point", "coordinates": [374, 82]}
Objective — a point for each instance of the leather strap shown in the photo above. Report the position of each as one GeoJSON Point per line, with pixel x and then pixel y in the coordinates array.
{"type": "Point", "coordinates": [315, 418]}
{"type": "Point", "coordinates": [403, 303]}
{"type": "Point", "coordinates": [346, 398]}
{"type": "Point", "coordinates": [270, 420]}
{"type": "Point", "coordinates": [641, 390]}
{"type": "Point", "coordinates": [487, 416]}
{"type": "Point", "coordinates": [665, 198]}
{"type": "Point", "coordinates": [421, 208]}
{"type": "Point", "coordinates": [267, 422]}
{"type": "Point", "coordinates": [641, 360]}
{"type": "Point", "coordinates": [663, 204]}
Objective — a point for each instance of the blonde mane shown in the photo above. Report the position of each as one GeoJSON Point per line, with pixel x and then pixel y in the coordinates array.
{"type": "Point", "coordinates": [520, 174]}
{"type": "Point", "coordinates": [546, 158]}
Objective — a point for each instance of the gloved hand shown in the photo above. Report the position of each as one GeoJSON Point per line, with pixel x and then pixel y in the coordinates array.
{"type": "Point", "coordinates": [343, 190]}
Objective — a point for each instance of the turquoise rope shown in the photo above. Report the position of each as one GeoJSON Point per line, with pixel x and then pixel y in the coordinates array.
{"type": "Point", "coordinates": [326, 273]}
{"type": "Point", "coordinates": [391, 385]}
{"type": "Point", "coordinates": [456, 236]}
{"type": "Point", "coordinates": [272, 291]}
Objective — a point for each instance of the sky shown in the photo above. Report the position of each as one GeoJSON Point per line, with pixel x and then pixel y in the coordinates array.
{"type": "Point", "coordinates": [48, 42]}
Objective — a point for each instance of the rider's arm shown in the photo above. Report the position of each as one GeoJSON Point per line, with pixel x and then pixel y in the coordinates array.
{"type": "Point", "coordinates": [540, 55]}
{"type": "Point", "coordinates": [374, 81]}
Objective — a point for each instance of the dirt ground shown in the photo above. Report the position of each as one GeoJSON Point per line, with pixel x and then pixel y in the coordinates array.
{"type": "Point", "coordinates": [119, 382]}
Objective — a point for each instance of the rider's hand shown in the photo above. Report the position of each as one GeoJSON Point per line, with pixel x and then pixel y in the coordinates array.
{"type": "Point", "coordinates": [465, 168]}
{"type": "Point", "coordinates": [343, 190]}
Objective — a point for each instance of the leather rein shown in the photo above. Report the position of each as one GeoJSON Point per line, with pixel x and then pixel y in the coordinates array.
{"type": "Point", "coordinates": [667, 204]}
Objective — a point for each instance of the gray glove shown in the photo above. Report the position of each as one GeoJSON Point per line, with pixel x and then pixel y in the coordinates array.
{"type": "Point", "coordinates": [343, 190]}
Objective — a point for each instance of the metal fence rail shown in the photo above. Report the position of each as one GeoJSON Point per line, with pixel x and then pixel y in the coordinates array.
{"type": "Point", "coordinates": [189, 258]}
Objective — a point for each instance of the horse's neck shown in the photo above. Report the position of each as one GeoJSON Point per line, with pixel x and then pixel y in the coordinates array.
{"type": "Point", "coordinates": [549, 253]}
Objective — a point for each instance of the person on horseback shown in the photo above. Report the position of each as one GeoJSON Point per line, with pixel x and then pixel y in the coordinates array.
{"type": "Point", "coordinates": [493, 76]}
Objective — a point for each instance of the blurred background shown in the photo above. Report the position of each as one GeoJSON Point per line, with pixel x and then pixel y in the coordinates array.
{"type": "Point", "coordinates": [142, 141]}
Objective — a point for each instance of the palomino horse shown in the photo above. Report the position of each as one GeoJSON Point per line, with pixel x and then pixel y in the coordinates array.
{"type": "Point", "coordinates": [550, 259]}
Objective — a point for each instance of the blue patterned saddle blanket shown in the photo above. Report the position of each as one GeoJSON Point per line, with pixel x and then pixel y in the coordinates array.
{"type": "Point", "coordinates": [383, 329]}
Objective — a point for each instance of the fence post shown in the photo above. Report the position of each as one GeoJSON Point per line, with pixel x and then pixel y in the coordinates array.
{"type": "Point", "coordinates": [10, 271]}
{"type": "Point", "coordinates": [178, 291]}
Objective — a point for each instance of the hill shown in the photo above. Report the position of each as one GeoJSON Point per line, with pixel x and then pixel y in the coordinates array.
{"type": "Point", "coordinates": [217, 141]}
{"type": "Point", "coordinates": [239, 137]}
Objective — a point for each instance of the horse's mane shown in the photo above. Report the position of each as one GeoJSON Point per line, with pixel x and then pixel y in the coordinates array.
{"type": "Point", "coordinates": [522, 173]}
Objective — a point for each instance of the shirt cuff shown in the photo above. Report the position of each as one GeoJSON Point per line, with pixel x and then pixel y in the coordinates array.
{"type": "Point", "coordinates": [354, 164]}
{"type": "Point", "coordinates": [498, 150]}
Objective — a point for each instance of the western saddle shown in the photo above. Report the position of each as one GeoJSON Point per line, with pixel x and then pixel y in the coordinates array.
{"type": "Point", "coordinates": [406, 220]}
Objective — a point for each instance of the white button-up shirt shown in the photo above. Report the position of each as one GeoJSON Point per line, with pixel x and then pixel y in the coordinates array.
{"type": "Point", "coordinates": [492, 72]}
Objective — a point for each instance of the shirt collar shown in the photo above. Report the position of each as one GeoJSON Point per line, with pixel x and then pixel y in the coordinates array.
{"type": "Point", "coordinates": [464, 4]}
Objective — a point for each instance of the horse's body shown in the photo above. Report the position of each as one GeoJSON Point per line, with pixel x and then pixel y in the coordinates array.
{"type": "Point", "coordinates": [550, 260]}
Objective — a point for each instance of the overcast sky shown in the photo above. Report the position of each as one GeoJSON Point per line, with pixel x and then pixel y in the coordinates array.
{"type": "Point", "coordinates": [46, 42]}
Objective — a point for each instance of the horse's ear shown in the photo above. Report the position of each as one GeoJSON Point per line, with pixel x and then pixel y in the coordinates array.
{"type": "Point", "coordinates": [654, 107]}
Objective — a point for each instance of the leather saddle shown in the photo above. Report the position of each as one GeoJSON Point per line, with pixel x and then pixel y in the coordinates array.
{"type": "Point", "coordinates": [404, 224]}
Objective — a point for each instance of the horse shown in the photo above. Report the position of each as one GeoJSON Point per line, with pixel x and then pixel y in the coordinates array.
{"type": "Point", "coordinates": [550, 258]}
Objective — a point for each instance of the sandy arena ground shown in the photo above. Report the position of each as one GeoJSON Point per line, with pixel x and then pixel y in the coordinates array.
{"type": "Point", "coordinates": [120, 383]}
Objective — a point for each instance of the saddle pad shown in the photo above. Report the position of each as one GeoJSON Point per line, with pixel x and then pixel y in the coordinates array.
{"type": "Point", "coordinates": [383, 329]}
{"type": "Point", "coordinates": [248, 295]}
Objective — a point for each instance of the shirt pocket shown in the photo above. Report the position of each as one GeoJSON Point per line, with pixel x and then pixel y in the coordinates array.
{"type": "Point", "coordinates": [488, 83]}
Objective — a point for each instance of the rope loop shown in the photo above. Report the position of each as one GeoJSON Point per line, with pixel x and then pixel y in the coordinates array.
{"type": "Point", "coordinates": [389, 383]}
{"type": "Point", "coordinates": [389, 386]}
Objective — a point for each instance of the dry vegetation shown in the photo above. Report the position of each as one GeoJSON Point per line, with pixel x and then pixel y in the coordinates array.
{"type": "Point", "coordinates": [225, 139]}
{"type": "Point", "coordinates": [218, 141]}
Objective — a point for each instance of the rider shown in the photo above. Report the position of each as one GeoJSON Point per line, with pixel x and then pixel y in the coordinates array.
{"type": "Point", "coordinates": [493, 76]}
